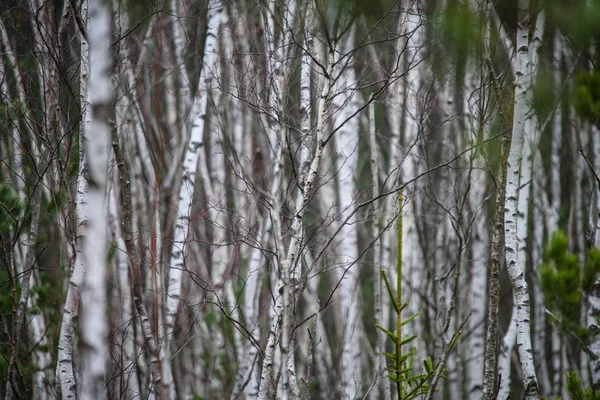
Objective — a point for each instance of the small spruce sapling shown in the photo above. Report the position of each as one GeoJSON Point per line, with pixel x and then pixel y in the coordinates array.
{"type": "Point", "coordinates": [401, 367]}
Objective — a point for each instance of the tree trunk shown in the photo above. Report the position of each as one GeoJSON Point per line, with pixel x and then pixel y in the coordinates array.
{"type": "Point", "coordinates": [348, 270]}
{"type": "Point", "coordinates": [186, 191]}
{"type": "Point", "coordinates": [93, 316]}
{"type": "Point", "coordinates": [505, 357]}
{"type": "Point", "coordinates": [64, 367]}
{"type": "Point", "coordinates": [515, 266]}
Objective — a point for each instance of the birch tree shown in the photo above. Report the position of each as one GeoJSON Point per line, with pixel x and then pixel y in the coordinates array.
{"type": "Point", "coordinates": [291, 256]}
{"type": "Point", "coordinates": [186, 191]}
{"type": "Point", "coordinates": [65, 371]}
{"type": "Point", "coordinates": [93, 317]}
{"type": "Point", "coordinates": [526, 66]}
{"type": "Point", "coordinates": [258, 149]}
{"type": "Point", "coordinates": [351, 374]}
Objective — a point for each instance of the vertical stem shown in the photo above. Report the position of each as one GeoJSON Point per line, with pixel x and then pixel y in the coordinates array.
{"type": "Point", "coordinates": [93, 314]}
{"type": "Point", "coordinates": [491, 342]}
{"type": "Point", "coordinates": [399, 299]}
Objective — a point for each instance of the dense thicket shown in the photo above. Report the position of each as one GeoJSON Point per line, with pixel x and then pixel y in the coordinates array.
{"type": "Point", "coordinates": [201, 199]}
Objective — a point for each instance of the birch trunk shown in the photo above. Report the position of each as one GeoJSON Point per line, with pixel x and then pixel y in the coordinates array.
{"type": "Point", "coordinates": [186, 191]}
{"type": "Point", "coordinates": [296, 239]}
{"type": "Point", "coordinates": [515, 267]}
{"type": "Point", "coordinates": [541, 204]}
{"type": "Point", "coordinates": [93, 317]}
{"type": "Point", "coordinates": [64, 367]}
{"type": "Point", "coordinates": [579, 139]}
{"type": "Point", "coordinates": [248, 378]}
{"type": "Point", "coordinates": [395, 112]}
{"type": "Point", "coordinates": [505, 357]}
{"type": "Point", "coordinates": [479, 242]}
{"type": "Point", "coordinates": [412, 260]}
{"type": "Point", "coordinates": [348, 272]}
{"type": "Point", "coordinates": [212, 167]}
{"type": "Point", "coordinates": [495, 260]}
{"type": "Point", "coordinates": [594, 346]}
{"type": "Point", "coordinates": [323, 364]}
{"type": "Point", "coordinates": [491, 342]}
{"type": "Point", "coordinates": [593, 299]}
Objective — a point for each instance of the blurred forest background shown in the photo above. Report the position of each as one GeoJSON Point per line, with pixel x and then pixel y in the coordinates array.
{"type": "Point", "coordinates": [210, 199]}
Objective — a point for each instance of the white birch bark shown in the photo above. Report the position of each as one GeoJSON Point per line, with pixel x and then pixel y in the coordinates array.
{"type": "Point", "coordinates": [296, 239]}
{"type": "Point", "coordinates": [178, 32]}
{"type": "Point", "coordinates": [594, 346]}
{"type": "Point", "coordinates": [523, 80]}
{"type": "Point", "coordinates": [127, 182]}
{"type": "Point", "coordinates": [412, 261]}
{"type": "Point", "coordinates": [248, 377]}
{"type": "Point", "coordinates": [556, 143]}
{"type": "Point", "coordinates": [395, 98]}
{"type": "Point", "coordinates": [212, 172]}
{"type": "Point", "coordinates": [579, 139]}
{"type": "Point", "coordinates": [41, 358]}
{"type": "Point", "coordinates": [593, 300]}
{"type": "Point", "coordinates": [557, 370]}
{"type": "Point", "coordinates": [64, 367]}
{"type": "Point", "coordinates": [47, 30]}
{"type": "Point", "coordinates": [278, 75]}
{"type": "Point", "coordinates": [345, 103]}
{"type": "Point", "coordinates": [553, 211]}
{"type": "Point", "coordinates": [505, 356]}
{"type": "Point", "coordinates": [323, 364]}
{"type": "Point", "coordinates": [479, 242]}
{"type": "Point", "coordinates": [93, 319]}
{"type": "Point", "coordinates": [541, 204]}
{"type": "Point", "coordinates": [477, 232]}
{"type": "Point", "coordinates": [186, 191]}
{"type": "Point", "coordinates": [292, 291]}
{"type": "Point", "coordinates": [480, 257]}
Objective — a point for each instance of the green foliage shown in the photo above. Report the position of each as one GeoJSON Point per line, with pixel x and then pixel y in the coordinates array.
{"type": "Point", "coordinates": [564, 282]}
{"type": "Point", "coordinates": [586, 96]}
{"type": "Point", "coordinates": [338, 15]}
{"type": "Point", "coordinates": [371, 9]}
{"type": "Point", "coordinates": [578, 20]}
{"type": "Point", "coordinates": [11, 112]}
{"type": "Point", "coordinates": [6, 301]}
{"type": "Point", "coordinates": [576, 392]}
{"type": "Point", "coordinates": [10, 209]}
{"type": "Point", "coordinates": [412, 384]}
{"type": "Point", "coordinates": [111, 254]}
{"type": "Point", "coordinates": [544, 96]}
{"type": "Point", "coordinates": [73, 166]}
{"type": "Point", "coordinates": [56, 202]}
{"type": "Point", "coordinates": [460, 30]}
{"type": "Point", "coordinates": [591, 269]}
